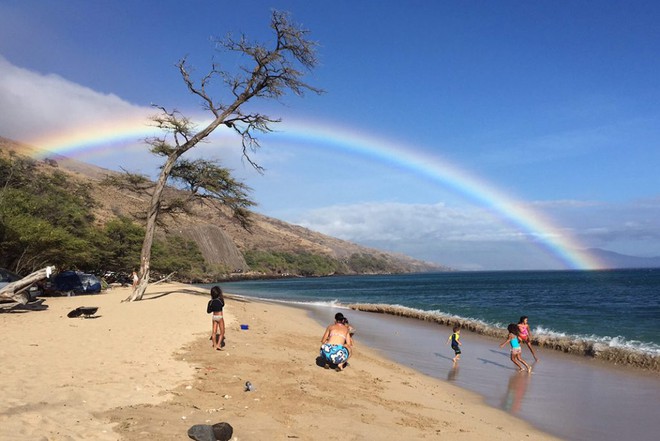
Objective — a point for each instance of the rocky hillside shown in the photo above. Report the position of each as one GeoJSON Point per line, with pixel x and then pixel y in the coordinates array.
{"type": "Point", "coordinates": [220, 240]}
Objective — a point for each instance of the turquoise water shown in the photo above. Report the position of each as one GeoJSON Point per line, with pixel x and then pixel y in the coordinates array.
{"type": "Point", "coordinates": [618, 308]}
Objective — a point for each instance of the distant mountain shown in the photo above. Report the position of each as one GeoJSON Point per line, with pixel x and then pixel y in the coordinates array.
{"type": "Point", "coordinates": [614, 260]}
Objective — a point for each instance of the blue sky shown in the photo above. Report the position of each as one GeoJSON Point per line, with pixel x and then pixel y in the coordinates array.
{"type": "Point", "coordinates": [553, 104]}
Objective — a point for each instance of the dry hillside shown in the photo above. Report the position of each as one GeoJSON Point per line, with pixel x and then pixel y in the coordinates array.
{"type": "Point", "coordinates": [220, 240]}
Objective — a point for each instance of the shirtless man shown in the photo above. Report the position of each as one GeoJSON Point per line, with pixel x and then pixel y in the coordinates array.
{"type": "Point", "coordinates": [336, 343]}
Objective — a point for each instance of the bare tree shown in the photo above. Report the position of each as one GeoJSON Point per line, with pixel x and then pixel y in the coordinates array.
{"type": "Point", "coordinates": [273, 71]}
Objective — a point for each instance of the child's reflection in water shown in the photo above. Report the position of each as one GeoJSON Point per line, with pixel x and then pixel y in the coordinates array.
{"type": "Point", "coordinates": [516, 392]}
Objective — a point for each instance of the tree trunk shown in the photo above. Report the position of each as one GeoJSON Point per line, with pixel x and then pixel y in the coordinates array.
{"type": "Point", "coordinates": [154, 205]}
{"type": "Point", "coordinates": [152, 216]}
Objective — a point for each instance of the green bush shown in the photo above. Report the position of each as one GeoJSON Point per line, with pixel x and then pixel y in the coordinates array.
{"type": "Point", "coordinates": [47, 219]}
{"type": "Point", "coordinates": [304, 264]}
{"type": "Point", "coordinates": [44, 219]}
{"type": "Point", "coordinates": [176, 253]}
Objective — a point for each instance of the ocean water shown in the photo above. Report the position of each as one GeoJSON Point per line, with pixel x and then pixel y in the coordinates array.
{"type": "Point", "coordinates": [617, 309]}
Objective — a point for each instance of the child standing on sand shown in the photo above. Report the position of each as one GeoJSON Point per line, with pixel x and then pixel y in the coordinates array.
{"type": "Point", "coordinates": [525, 335]}
{"type": "Point", "coordinates": [214, 307]}
{"type": "Point", "coordinates": [516, 350]}
{"type": "Point", "coordinates": [135, 279]}
{"type": "Point", "coordinates": [455, 343]}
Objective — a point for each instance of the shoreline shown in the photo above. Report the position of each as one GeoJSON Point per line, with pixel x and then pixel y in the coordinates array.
{"type": "Point", "coordinates": [145, 370]}
{"type": "Point", "coordinates": [572, 397]}
{"type": "Point", "coordinates": [574, 346]}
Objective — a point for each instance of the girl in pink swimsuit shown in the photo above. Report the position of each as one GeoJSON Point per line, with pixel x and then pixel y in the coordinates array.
{"type": "Point", "coordinates": [525, 335]}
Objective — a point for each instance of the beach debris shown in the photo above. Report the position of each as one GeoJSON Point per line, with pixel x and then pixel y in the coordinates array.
{"type": "Point", "coordinates": [74, 313]}
{"type": "Point", "coordinates": [245, 327]}
{"type": "Point", "coordinates": [84, 311]}
{"type": "Point", "coordinates": [248, 387]}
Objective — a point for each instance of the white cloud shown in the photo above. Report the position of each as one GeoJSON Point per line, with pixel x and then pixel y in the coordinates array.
{"type": "Point", "coordinates": [463, 238]}
{"type": "Point", "coordinates": [565, 203]}
{"type": "Point", "coordinates": [35, 104]}
{"type": "Point", "coordinates": [469, 237]}
{"type": "Point", "coordinates": [630, 227]}
{"type": "Point", "coordinates": [398, 222]}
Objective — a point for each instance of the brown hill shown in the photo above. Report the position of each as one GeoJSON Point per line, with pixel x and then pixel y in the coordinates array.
{"type": "Point", "coordinates": [220, 240]}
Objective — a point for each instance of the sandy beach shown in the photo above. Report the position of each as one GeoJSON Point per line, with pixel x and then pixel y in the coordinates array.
{"type": "Point", "coordinates": [146, 371]}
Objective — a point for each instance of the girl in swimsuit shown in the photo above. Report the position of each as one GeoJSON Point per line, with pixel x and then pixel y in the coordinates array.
{"type": "Point", "coordinates": [214, 307]}
{"type": "Point", "coordinates": [525, 335]}
{"type": "Point", "coordinates": [336, 343]}
{"type": "Point", "coordinates": [516, 350]}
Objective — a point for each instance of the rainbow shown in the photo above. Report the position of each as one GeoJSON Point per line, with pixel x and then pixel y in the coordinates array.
{"type": "Point", "coordinates": [558, 241]}
{"type": "Point", "coordinates": [96, 140]}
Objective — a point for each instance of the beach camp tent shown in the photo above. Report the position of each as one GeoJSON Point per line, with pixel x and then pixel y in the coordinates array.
{"type": "Point", "coordinates": [77, 282]}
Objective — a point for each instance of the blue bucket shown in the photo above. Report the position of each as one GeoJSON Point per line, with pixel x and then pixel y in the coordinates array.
{"type": "Point", "coordinates": [245, 327]}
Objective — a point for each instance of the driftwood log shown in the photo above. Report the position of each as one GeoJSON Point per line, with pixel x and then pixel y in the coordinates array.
{"type": "Point", "coordinates": [18, 291]}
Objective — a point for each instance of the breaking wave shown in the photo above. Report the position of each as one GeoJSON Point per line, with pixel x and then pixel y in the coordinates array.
{"type": "Point", "coordinates": [330, 303]}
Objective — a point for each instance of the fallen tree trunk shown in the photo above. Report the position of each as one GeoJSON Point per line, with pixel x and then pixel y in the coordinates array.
{"type": "Point", "coordinates": [164, 279]}
{"type": "Point", "coordinates": [17, 291]}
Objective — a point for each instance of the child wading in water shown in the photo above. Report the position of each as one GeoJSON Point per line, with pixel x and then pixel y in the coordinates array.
{"type": "Point", "coordinates": [455, 343]}
{"type": "Point", "coordinates": [516, 350]}
{"type": "Point", "coordinates": [214, 307]}
{"type": "Point", "coordinates": [525, 335]}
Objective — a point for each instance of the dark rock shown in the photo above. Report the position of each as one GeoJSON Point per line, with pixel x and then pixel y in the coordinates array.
{"type": "Point", "coordinates": [223, 431]}
{"type": "Point", "coordinates": [201, 432]}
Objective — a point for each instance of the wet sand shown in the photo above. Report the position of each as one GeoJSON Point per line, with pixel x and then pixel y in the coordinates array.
{"type": "Point", "coordinates": [570, 396]}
